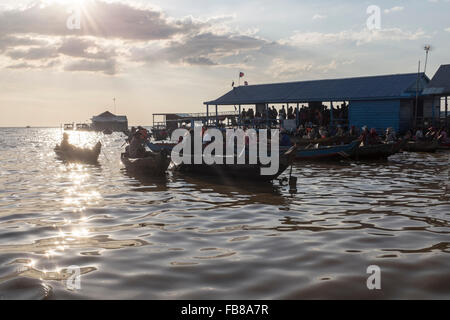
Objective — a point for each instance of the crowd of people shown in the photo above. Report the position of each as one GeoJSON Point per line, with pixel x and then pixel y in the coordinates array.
{"type": "Point", "coordinates": [316, 114]}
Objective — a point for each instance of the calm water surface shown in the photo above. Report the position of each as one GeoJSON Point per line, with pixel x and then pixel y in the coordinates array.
{"type": "Point", "coordinates": [190, 238]}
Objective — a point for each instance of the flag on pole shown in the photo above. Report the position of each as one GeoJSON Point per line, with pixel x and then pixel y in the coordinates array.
{"type": "Point", "coordinates": [241, 74]}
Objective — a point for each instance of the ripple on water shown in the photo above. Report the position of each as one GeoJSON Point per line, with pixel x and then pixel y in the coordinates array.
{"type": "Point", "coordinates": [186, 238]}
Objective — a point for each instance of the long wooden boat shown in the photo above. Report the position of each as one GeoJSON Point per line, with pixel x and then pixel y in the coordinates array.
{"type": "Point", "coordinates": [324, 141]}
{"type": "Point", "coordinates": [326, 152]}
{"type": "Point", "coordinates": [422, 146]}
{"type": "Point", "coordinates": [154, 164]}
{"type": "Point", "coordinates": [233, 172]}
{"type": "Point", "coordinates": [82, 155]}
{"type": "Point", "coordinates": [378, 151]}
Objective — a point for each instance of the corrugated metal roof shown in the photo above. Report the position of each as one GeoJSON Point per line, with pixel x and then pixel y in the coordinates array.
{"type": "Point", "coordinates": [440, 84]}
{"type": "Point", "coordinates": [361, 88]}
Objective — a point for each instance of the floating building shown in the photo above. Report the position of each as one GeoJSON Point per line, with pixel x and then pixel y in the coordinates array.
{"type": "Point", "coordinates": [400, 101]}
{"type": "Point", "coordinates": [109, 121]}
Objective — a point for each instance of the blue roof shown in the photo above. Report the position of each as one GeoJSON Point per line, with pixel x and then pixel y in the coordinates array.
{"type": "Point", "coordinates": [440, 84]}
{"type": "Point", "coordinates": [362, 88]}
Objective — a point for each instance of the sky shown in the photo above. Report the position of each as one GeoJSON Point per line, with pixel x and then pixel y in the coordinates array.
{"type": "Point", "coordinates": [65, 61]}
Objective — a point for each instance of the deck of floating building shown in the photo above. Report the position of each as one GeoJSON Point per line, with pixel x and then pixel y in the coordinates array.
{"type": "Point", "coordinates": [172, 121]}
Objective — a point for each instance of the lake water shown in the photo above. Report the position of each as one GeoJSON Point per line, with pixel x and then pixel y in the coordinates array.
{"type": "Point", "coordinates": [190, 238]}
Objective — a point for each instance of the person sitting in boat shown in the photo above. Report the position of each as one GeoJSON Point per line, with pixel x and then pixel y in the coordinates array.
{"type": "Point", "coordinates": [339, 132]}
{"type": "Point", "coordinates": [443, 137]}
{"type": "Point", "coordinates": [323, 133]}
{"type": "Point", "coordinates": [431, 133]}
{"type": "Point", "coordinates": [365, 136]}
{"type": "Point", "coordinates": [373, 137]}
{"type": "Point", "coordinates": [285, 140]}
{"type": "Point", "coordinates": [390, 135]}
{"type": "Point", "coordinates": [136, 149]}
{"type": "Point", "coordinates": [419, 134]}
{"type": "Point", "coordinates": [313, 134]}
{"type": "Point", "coordinates": [65, 145]}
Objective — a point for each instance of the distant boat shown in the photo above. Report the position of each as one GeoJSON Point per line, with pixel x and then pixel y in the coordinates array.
{"type": "Point", "coordinates": [28, 127]}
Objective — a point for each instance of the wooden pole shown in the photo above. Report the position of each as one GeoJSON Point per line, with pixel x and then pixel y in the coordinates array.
{"type": "Point", "coordinates": [446, 112]}
{"type": "Point", "coordinates": [239, 118]}
{"type": "Point", "coordinates": [207, 115]}
{"type": "Point", "coordinates": [331, 114]}
{"type": "Point", "coordinates": [217, 116]}
{"type": "Point", "coordinates": [432, 111]}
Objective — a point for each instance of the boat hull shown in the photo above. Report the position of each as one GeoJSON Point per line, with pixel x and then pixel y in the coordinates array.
{"type": "Point", "coordinates": [422, 146]}
{"type": "Point", "coordinates": [79, 155]}
{"type": "Point", "coordinates": [378, 151]}
{"type": "Point", "coordinates": [153, 165]}
{"type": "Point", "coordinates": [326, 153]}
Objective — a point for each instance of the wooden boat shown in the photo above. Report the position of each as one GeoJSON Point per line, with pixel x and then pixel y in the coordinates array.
{"type": "Point", "coordinates": [422, 146]}
{"type": "Point", "coordinates": [326, 152]}
{"type": "Point", "coordinates": [378, 151]}
{"type": "Point", "coordinates": [154, 164]}
{"type": "Point", "coordinates": [159, 146]}
{"type": "Point", "coordinates": [444, 146]}
{"type": "Point", "coordinates": [75, 154]}
{"type": "Point", "coordinates": [325, 141]}
{"type": "Point", "coordinates": [230, 172]}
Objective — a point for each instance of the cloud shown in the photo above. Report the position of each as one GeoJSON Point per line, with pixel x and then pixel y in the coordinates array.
{"type": "Point", "coordinates": [282, 68]}
{"type": "Point", "coordinates": [84, 48]}
{"type": "Point", "coordinates": [98, 19]}
{"type": "Point", "coordinates": [394, 9]}
{"type": "Point", "coordinates": [7, 42]}
{"type": "Point", "coordinates": [107, 67]}
{"type": "Point", "coordinates": [448, 29]}
{"type": "Point", "coordinates": [201, 49]}
{"type": "Point", "coordinates": [26, 65]}
{"type": "Point", "coordinates": [39, 53]}
{"type": "Point", "coordinates": [358, 37]}
{"type": "Point", "coordinates": [319, 17]}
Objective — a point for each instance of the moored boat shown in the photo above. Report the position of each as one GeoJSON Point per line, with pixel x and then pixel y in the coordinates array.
{"type": "Point", "coordinates": [324, 141]}
{"type": "Point", "coordinates": [422, 146]}
{"type": "Point", "coordinates": [248, 172]}
{"type": "Point", "coordinates": [154, 164]}
{"type": "Point", "coordinates": [444, 146]}
{"type": "Point", "coordinates": [75, 154]}
{"type": "Point", "coordinates": [377, 151]}
{"type": "Point", "coordinates": [326, 152]}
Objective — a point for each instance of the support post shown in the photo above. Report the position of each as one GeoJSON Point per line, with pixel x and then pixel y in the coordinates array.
{"type": "Point", "coordinates": [217, 116]}
{"type": "Point", "coordinates": [239, 118]}
{"type": "Point", "coordinates": [331, 114]}
{"type": "Point", "coordinates": [432, 111]}
{"type": "Point", "coordinates": [207, 114]}
{"type": "Point", "coordinates": [297, 115]}
{"type": "Point", "coordinates": [446, 112]}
